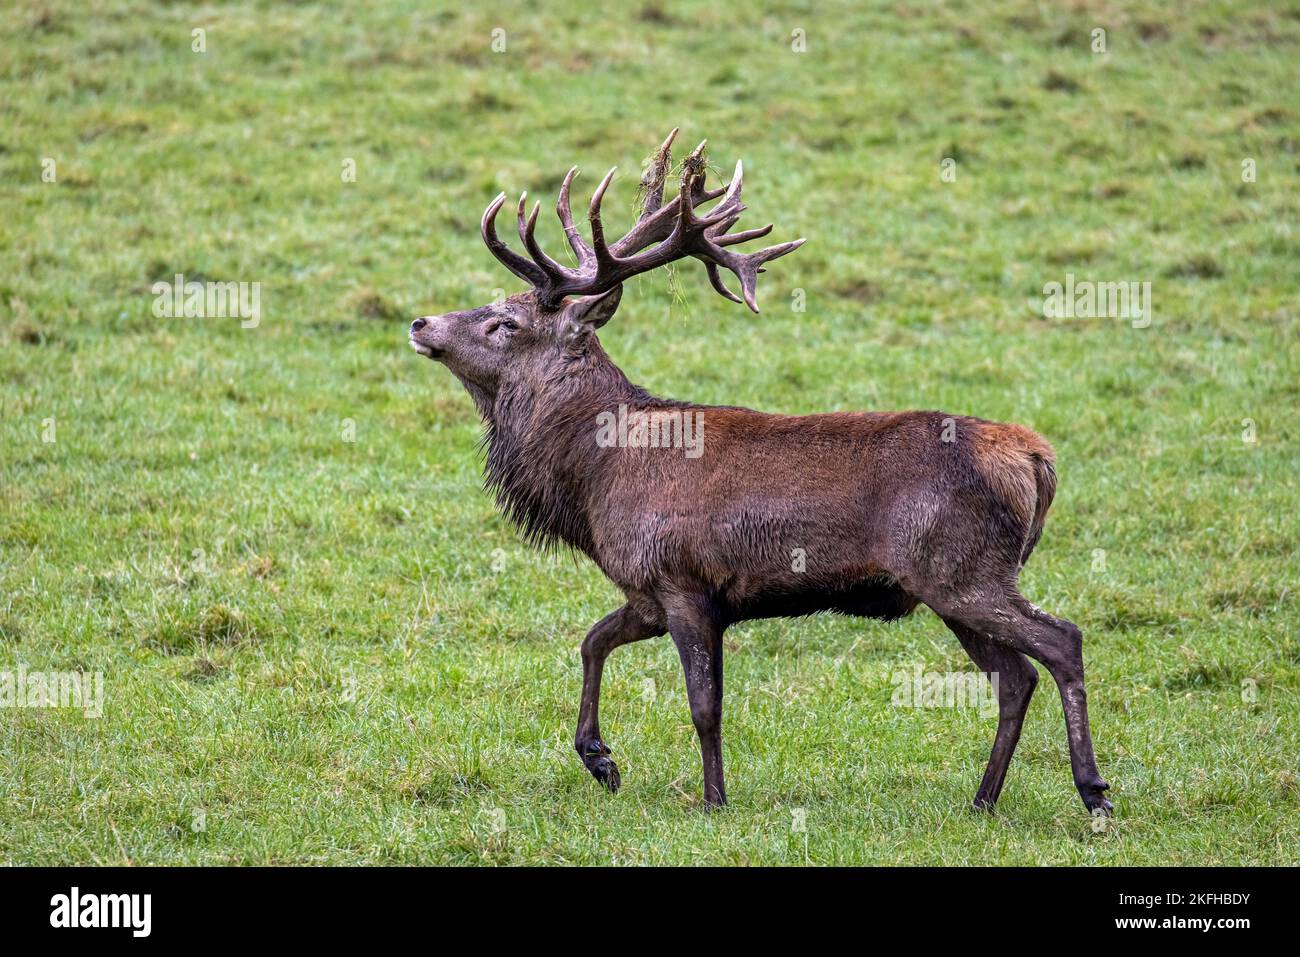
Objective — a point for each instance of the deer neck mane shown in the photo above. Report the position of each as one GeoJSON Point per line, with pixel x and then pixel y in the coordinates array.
{"type": "Point", "coordinates": [541, 462]}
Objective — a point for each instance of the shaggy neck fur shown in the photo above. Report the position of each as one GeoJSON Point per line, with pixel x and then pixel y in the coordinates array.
{"type": "Point", "coordinates": [543, 464]}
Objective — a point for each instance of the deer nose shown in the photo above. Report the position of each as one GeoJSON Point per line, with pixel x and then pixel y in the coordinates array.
{"type": "Point", "coordinates": [419, 324]}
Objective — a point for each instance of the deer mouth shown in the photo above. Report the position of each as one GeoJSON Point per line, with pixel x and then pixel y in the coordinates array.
{"type": "Point", "coordinates": [425, 350]}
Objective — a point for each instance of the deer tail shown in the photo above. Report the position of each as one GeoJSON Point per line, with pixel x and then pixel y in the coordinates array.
{"type": "Point", "coordinates": [1018, 465]}
{"type": "Point", "coordinates": [1045, 486]}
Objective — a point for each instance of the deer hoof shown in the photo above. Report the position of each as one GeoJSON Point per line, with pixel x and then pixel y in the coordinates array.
{"type": "Point", "coordinates": [1094, 800]}
{"type": "Point", "coordinates": [1099, 806]}
{"type": "Point", "coordinates": [604, 770]}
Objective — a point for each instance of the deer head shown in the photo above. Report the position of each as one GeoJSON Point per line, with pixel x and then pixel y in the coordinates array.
{"type": "Point", "coordinates": [546, 331]}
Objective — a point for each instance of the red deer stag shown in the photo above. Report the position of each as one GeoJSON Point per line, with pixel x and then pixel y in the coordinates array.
{"type": "Point", "coordinates": [889, 509]}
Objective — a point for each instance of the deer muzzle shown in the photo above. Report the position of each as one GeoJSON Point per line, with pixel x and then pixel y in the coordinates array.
{"type": "Point", "coordinates": [427, 336]}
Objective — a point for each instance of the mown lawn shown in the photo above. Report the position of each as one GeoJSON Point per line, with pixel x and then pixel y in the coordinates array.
{"type": "Point", "coordinates": [321, 644]}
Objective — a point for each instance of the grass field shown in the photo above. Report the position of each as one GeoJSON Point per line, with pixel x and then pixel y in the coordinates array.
{"type": "Point", "coordinates": [321, 644]}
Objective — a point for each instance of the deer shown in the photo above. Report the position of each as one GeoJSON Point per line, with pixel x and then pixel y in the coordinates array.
{"type": "Point", "coordinates": [885, 510]}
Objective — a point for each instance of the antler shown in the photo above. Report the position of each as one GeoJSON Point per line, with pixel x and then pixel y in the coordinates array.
{"type": "Point", "coordinates": [662, 234]}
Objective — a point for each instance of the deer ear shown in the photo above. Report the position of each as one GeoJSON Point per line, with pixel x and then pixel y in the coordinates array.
{"type": "Point", "coordinates": [584, 315]}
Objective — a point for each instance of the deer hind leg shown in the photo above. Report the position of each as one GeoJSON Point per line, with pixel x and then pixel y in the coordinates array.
{"type": "Point", "coordinates": [1014, 680]}
{"type": "Point", "coordinates": [617, 628]}
{"type": "Point", "coordinates": [1010, 620]}
{"type": "Point", "coordinates": [1058, 644]}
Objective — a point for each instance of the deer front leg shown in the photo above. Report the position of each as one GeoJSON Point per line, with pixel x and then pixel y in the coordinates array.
{"type": "Point", "coordinates": [698, 636]}
{"type": "Point", "coordinates": [617, 628]}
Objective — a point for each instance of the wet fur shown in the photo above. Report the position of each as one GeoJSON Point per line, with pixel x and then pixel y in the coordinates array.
{"type": "Point", "coordinates": [875, 501]}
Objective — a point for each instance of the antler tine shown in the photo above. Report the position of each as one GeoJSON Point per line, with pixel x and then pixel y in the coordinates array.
{"type": "Point", "coordinates": [741, 237]}
{"type": "Point", "coordinates": [656, 175]}
{"type": "Point", "coordinates": [692, 181]}
{"type": "Point", "coordinates": [525, 269]}
{"type": "Point", "coordinates": [716, 282]}
{"type": "Point", "coordinates": [562, 209]}
{"type": "Point", "coordinates": [604, 258]}
{"type": "Point", "coordinates": [686, 222]}
{"type": "Point", "coordinates": [731, 206]}
{"type": "Point", "coordinates": [528, 233]}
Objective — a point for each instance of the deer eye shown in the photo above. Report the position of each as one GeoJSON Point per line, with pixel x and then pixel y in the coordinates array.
{"type": "Point", "coordinates": [507, 324]}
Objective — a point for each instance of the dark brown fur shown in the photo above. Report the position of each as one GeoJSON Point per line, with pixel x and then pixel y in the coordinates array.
{"type": "Point", "coordinates": [864, 514]}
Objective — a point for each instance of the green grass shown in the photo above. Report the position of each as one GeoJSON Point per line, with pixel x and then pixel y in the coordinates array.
{"type": "Point", "coordinates": [339, 653]}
